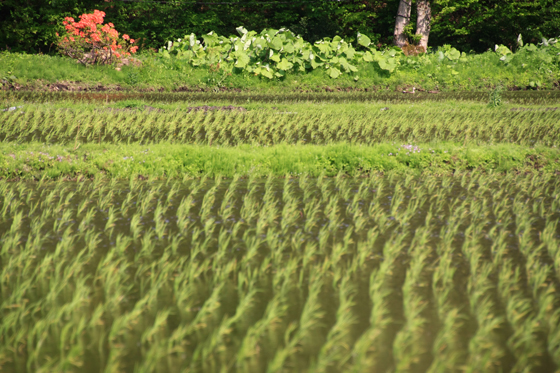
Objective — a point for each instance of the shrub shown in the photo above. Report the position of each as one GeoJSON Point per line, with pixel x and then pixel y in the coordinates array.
{"type": "Point", "coordinates": [89, 41]}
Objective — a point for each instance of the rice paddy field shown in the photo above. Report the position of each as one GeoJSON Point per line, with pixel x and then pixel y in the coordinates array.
{"type": "Point", "coordinates": [290, 269]}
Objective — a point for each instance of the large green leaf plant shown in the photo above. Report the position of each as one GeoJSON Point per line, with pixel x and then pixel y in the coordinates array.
{"type": "Point", "coordinates": [273, 53]}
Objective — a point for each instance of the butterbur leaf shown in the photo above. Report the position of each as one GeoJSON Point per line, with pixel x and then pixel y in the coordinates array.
{"type": "Point", "coordinates": [350, 52]}
{"type": "Point", "coordinates": [387, 64]}
{"type": "Point", "coordinates": [264, 71]}
{"type": "Point", "coordinates": [367, 57]}
{"type": "Point", "coordinates": [324, 48]}
{"type": "Point", "coordinates": [284, 65]}
{"type": "Point", "coordinates": [275, 43]}
{"type": "Point", "coordinates": [242, 60]}
{"type": "Point", "coordinates": [363, 40]}
{"type": "Point", "coordinates": [502, 50]}
{"type": "Point", "coordinates": [288, 47]}
{"type": "Point", "coordinates": [210, 39]}
{"type": "Point", "coordinates": [453, 54]}
{"type": "Point", "coordinates": [315, 64]}
{"type": "Point", "coordinates": [267, 73]}
{"type": "Point", "coordinates": [241, 30]}
{"type": "Point", "coordinates": [346, 66]}
{"type": "Point", "coordinates": [334, 72]}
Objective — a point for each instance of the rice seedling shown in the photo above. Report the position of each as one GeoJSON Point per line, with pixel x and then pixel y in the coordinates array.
{"type": "Point", "coordinates": [308, 123]}
{"type": "Point", "coordinates": [309, 273]}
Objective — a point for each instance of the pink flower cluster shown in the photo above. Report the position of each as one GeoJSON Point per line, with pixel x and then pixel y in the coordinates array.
{"type": "Point", "coordinates": [411, 148]}
{"type": "Point", "coordinates": [90, 36]}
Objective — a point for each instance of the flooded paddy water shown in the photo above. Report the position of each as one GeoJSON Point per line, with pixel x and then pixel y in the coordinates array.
{"type": "Point", "coordinates": [534, 97]}
{"type": "Point", "coordinates": [393, 273]}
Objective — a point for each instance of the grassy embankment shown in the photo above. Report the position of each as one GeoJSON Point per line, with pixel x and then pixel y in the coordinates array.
{"type": "Point", "coordinates": [35, 161]}
{"type": "Point", "coordinates": [472, 72]}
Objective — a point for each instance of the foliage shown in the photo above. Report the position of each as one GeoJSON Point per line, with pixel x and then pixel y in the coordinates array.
{"type": "Point", "coordinates": [479, 25]}
{"type": "Point", "coordinates": [31, 26]}
{"type": "Point", "coordinates": [273, 53]}
{"type": "Point", "coordinates": [89, 41]}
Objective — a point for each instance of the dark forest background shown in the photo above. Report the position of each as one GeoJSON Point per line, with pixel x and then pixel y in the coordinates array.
{"type": "Point", "coordinates": [469, 25]}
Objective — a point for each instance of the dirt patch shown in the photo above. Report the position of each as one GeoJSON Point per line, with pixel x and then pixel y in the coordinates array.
{"type": "Point", "coordinates": [535, 161]}
{"type": "Point", "coordinates": [147, 108]}
{"type": "Point", "coordinates": [535, 109]}
{"type": "Point", "coordinates": [76, 87]}
{"type": "Point", "coordinates": [202, 89]}
{"type": "Point", "coordinates": [190, 109]}
{"type": "Point", "coordinates": [206, 108]}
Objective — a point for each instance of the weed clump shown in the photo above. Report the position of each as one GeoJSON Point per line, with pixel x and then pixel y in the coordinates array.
{"type": "Point", "coordinates": [495, 97]}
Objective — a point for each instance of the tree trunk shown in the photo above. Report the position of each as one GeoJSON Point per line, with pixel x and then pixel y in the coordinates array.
{"type": "Point", "coordinates": [403, 18]}
{"type": "Point", "coordinates": [423, 22]}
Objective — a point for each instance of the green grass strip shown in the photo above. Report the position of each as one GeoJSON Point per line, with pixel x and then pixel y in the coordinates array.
{"type": "Point", "coordinates": [474, 72]}
{"type": "Point", "coordinates": [35, 161]}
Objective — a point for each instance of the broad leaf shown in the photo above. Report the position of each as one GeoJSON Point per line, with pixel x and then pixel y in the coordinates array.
{"type": "Point", "coordinates": [284, 65]}
{"type": "Point", "coordinates": [288, 47]}
{"type": "Point", "coordinates": [241, 30]}
{"type": "Point", "coordinates": [267, 73]}
{"type": "Point", "coordinates": [363, 40]}
{"type": "Point", "coordinates": [275, 43]}
{"type": "Point", "coordinates": [368, 57]}
{"type": "Point", "coordinates": [315, 64]}
{"type": "Point", "coordinates": [387, 64]}
{"type": "Point", "coordinates": [334, 72]}
{"type": "Point", "coordinates": [453, 54]}
{"type": "Point", "coordinates": [242, 60]}
{"type": "Point", "coordinates": [350, 52]}
{"type": "Point", "coordinates": [502, 50]}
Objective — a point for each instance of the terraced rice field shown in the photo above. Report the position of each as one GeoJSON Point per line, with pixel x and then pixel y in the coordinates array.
{"type": "Point", "coordinates": [317, 274]}
{"type": "Point", "coordinates": [317, 124]}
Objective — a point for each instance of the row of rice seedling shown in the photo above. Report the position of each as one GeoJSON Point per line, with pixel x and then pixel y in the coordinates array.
{"type": "Point", "coordinates": [58, 125]}
{"type": "Point", "coordinates": [281, 274]}
{"type": "Point", "coordinates": [242, 97]}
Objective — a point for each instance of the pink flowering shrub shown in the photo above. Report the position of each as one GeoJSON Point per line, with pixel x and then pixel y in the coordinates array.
{"type": "Point", "coordinates": [89, 41]}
